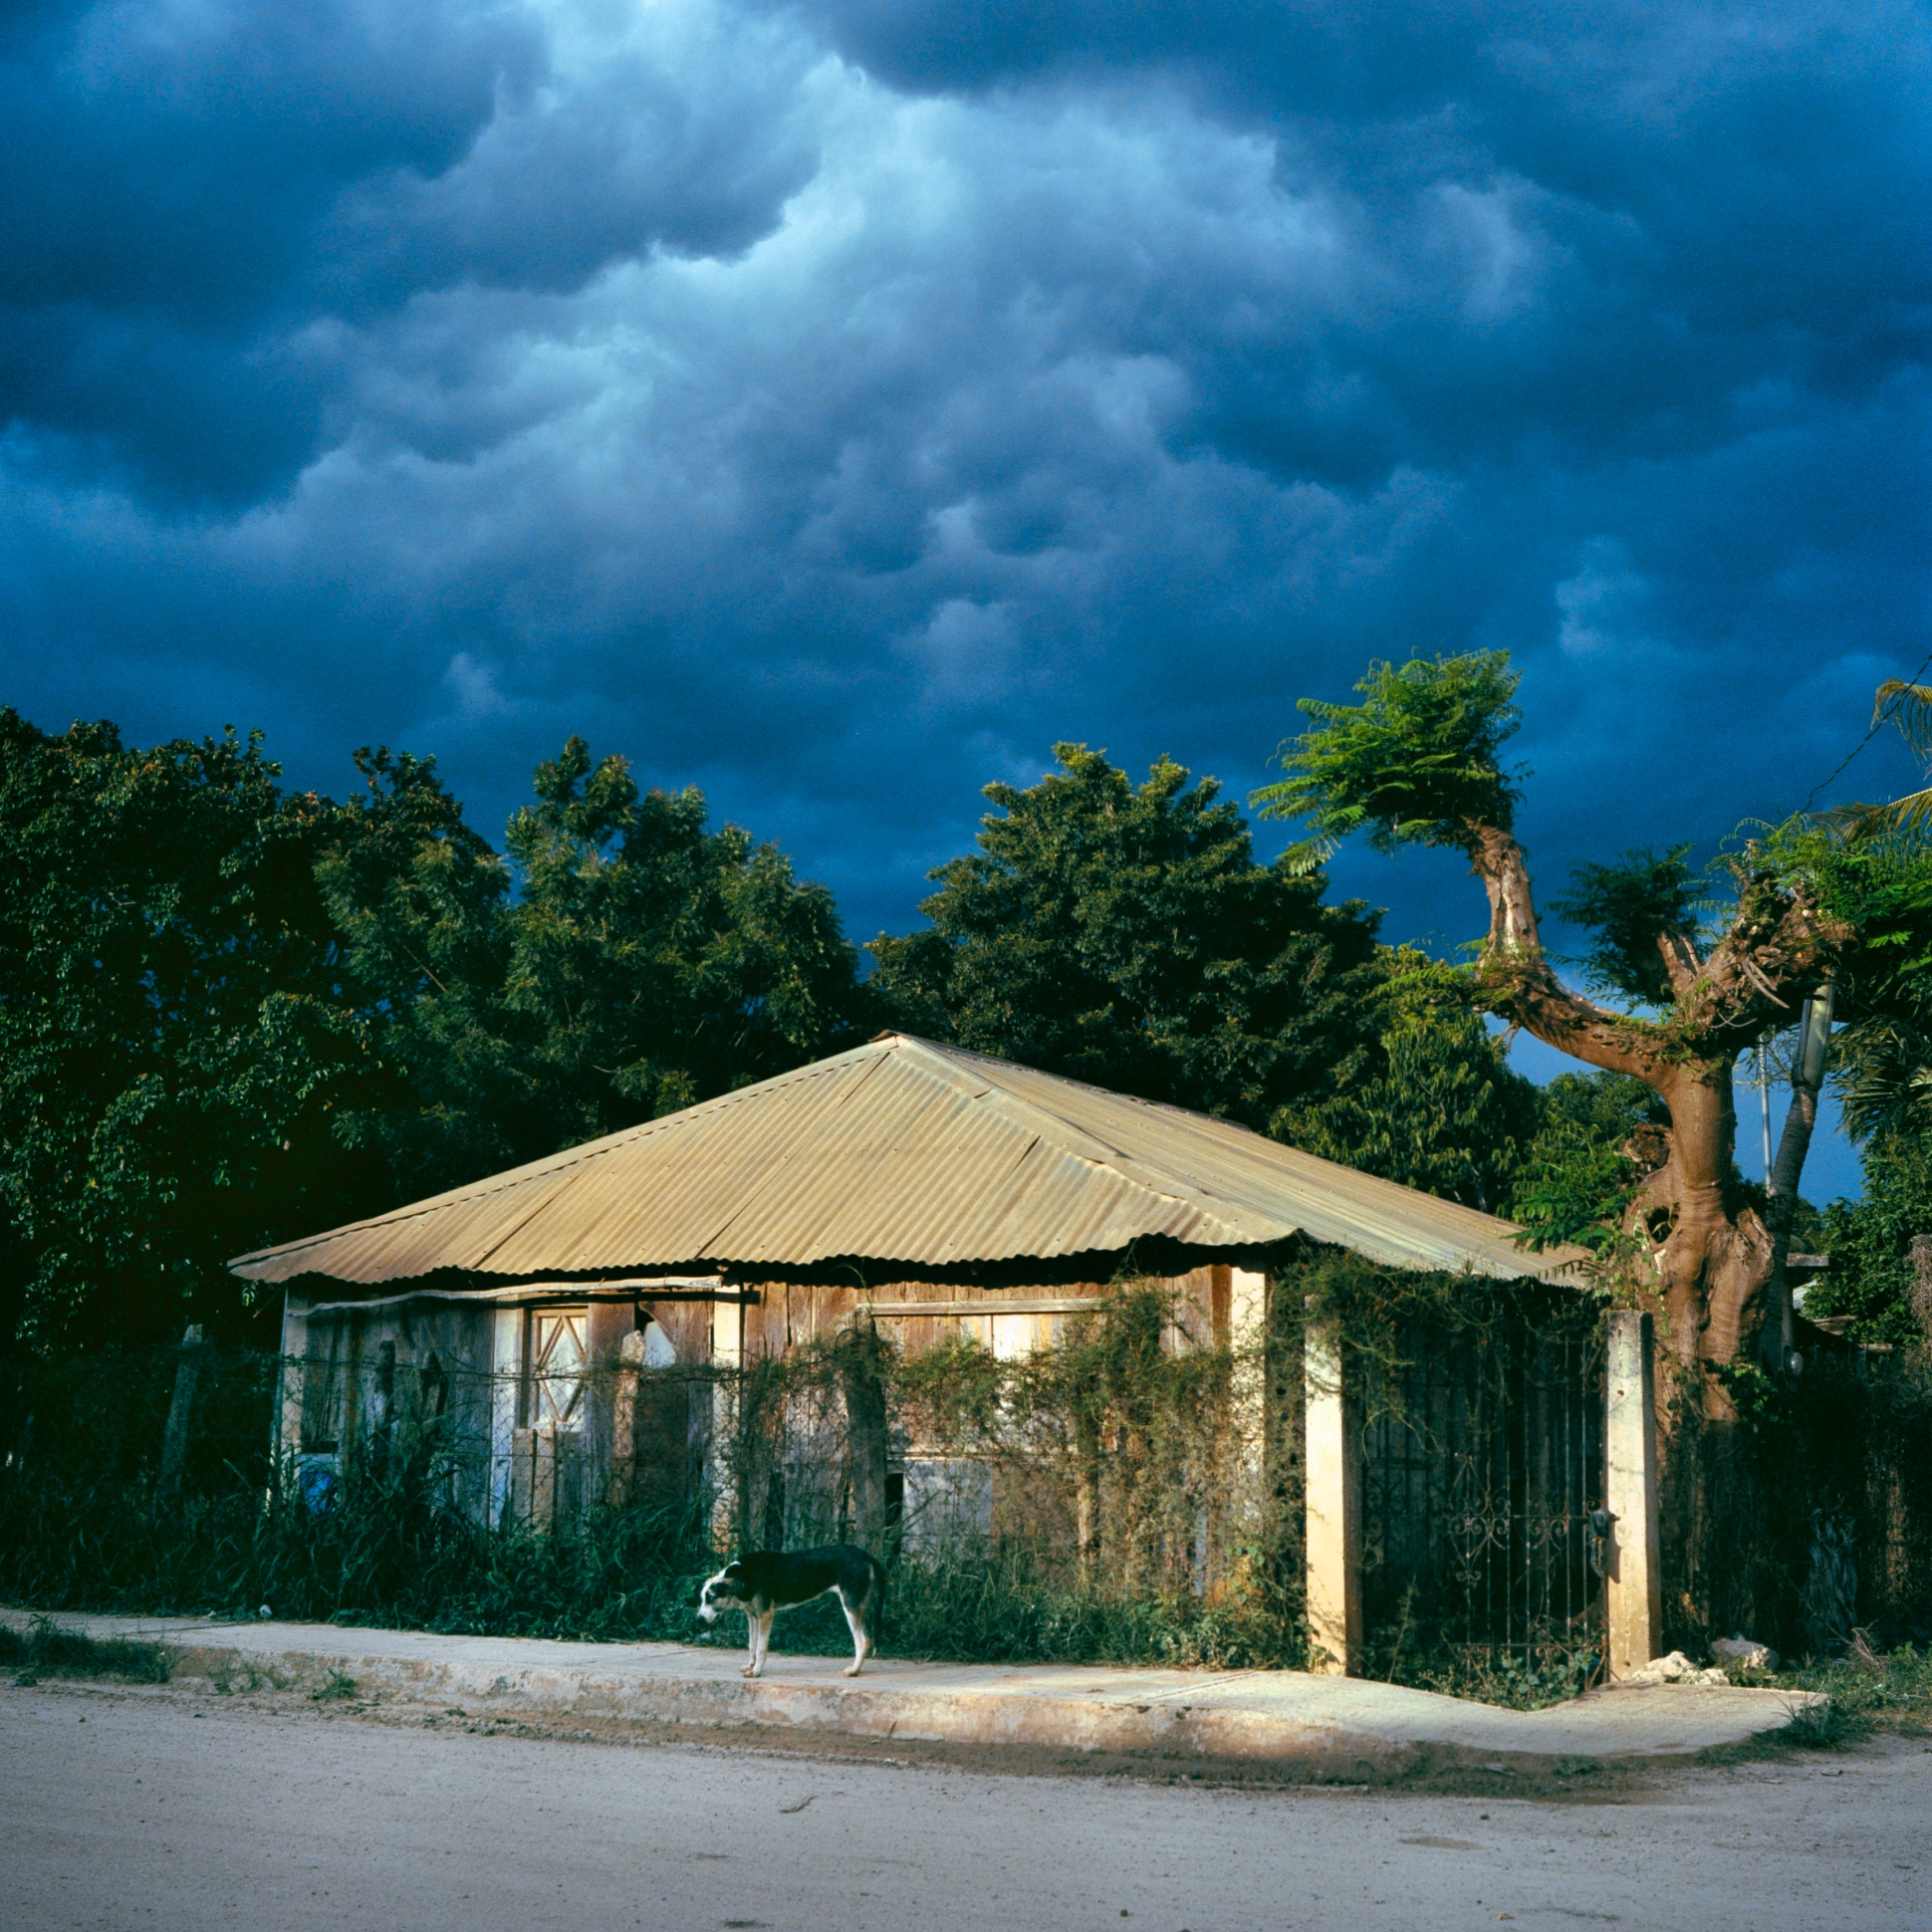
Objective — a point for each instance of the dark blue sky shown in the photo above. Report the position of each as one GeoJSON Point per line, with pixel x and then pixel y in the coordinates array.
{"type": "Point", "coordinates": [832, 405]}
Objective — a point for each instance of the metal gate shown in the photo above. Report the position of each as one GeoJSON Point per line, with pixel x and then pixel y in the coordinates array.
{"type": "Point", "coordinates": [1482, 1462]}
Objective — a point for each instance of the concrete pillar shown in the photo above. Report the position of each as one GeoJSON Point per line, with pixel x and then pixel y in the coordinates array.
{"type": "Point", "coordinates": [1633, 1568]}
{"type": "Point", "coordinates": [1334, 1524]}
{"type": "Point", "coordinates": [1237, 1510]}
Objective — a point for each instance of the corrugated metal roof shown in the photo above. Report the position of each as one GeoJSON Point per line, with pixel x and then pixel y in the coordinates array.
{"type": "Point", "coordinates": [904, 1151]}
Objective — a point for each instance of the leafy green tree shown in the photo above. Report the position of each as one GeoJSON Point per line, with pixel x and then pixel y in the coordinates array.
{"type": "Point", "coordinates": [1434, 1103]}
{"type": "Point", "coordinates": [1873, 868]}
{"type": "Point", "coordinates": [1124, 934]}
{"type": "Point", "coordinates": [231, 1015]}
{"type": "Point", "coordinates": [657, 962]}
{"type": "Point", "coordinates": [1419, 762]}
{"type": "Point", "coordinates": [1598, 1135]}
{"type": "Point", "coordinates": [1871, 1276]}
{"type": "Point", "coordinates": [1879, 881]}
{"type": "Point", "coordinates": [1907, 708]}
{"type": "Point", "coordinates": [175, 1040]}
{"type": "Point", "coordinates": [421, 901]}
{"type": "Point", "coordinates": [1623, 907]}
{"type": "Point", "coordinates": [1873, 863]}
{"type": "Point", "coordinates": [646, 963]}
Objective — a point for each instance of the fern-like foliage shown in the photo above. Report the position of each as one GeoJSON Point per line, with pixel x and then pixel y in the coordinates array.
{"type": "Point", "coordinates": [1417, 762]}
{"type": "Point", "coordinates": [1624, 906]}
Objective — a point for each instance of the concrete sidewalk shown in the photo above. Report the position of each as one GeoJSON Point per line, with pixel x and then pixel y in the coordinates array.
{"type": "Point", "coordinates": [1328, 1725]}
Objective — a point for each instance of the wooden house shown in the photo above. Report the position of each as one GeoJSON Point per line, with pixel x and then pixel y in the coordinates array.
{"type": "Point", "coordinates": [926, 1188]}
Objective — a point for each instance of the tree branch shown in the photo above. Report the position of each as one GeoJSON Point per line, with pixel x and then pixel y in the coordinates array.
{"type": "Point", "coordinates": [1516, 980]}
{"type": "Point", "coordinates": [1778, 949]}
{"type": "Point", "coordinates": [1681, 964]}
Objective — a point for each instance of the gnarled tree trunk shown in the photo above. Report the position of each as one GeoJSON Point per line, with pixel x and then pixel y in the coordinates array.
{"type": "Point", "coordinates": [1709, 1252]}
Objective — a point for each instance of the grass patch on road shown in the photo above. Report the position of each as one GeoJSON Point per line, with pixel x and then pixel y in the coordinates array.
{"type": "Point", "coordinates": [48, 1650]}
{"type": "Point", "coordinates": [339, 1689]}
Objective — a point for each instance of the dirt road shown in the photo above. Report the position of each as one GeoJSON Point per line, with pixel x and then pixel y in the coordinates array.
{"type": "Point", "coordinates": [125, 1810]}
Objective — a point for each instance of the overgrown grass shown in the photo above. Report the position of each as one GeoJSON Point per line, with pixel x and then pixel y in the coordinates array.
{"type": "Point", "coordinates": [1489, 1674]}
{"type": "Point", "coordinates": [382, 1556]}
{"type": "Point", "coordinates": [1545, 1669]}
{"type": "Point", "coordinates": [48, 1650]}
{"type": "Point", "coordinates": [1001, 1609]}
{"type": "Point", "coordinates": [387, 1555]}
{"type": "Point", "coordinates": [1866, 1693]}
{"type": "Point", "coordinates": [82, 1527]}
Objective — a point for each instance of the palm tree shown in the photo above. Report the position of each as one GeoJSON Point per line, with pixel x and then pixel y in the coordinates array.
{"type": "Point", "coordinates": [1909, 707]}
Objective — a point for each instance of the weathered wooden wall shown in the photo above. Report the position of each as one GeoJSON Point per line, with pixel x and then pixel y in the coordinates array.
{"type": "Point", "coordinates": [677, 1425]}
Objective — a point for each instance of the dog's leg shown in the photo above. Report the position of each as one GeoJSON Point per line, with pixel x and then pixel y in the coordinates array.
{"type": "Point", "coordinates": [860, 1642]}
{"type": "Point", "coordinates": [761, 1643]}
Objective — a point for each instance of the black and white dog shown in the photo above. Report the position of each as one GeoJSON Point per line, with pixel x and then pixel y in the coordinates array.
{"type": "Point", "coordinates": [765, 1582]}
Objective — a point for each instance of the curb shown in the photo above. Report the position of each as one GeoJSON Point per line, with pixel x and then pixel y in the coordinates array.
{"type": "Point", "coordinates": [1319, 1726]}
{"type": "Point", "coordinates": [1155, 1729]}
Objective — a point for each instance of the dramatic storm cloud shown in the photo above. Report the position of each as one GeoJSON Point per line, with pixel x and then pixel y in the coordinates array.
{"type": "Point", "coordinates": [834, 404]}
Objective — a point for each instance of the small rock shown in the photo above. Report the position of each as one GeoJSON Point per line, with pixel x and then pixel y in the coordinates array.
{"type": "Point", "coordinates": [1746, 1652]}
{"type": "Point", "coordinates": [1673, 1669]}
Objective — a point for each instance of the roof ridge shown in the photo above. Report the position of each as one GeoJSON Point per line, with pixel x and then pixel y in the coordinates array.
{"type": "Point", "coordinates": [1118, 1161]}
{"type": "Point", "coordinates": [1130, 1169]}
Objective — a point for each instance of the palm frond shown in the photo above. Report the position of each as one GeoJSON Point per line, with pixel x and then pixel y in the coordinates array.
{"type": "Point", "coordinates": [1909, 818]}
{"type": "Point", "coordinates": [1909, 706]}
{"type": "Point", "coordinates": [1885, 1070]}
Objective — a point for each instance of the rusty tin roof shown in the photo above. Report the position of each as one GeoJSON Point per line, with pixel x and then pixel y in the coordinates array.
{"type": "Point", "coordinates": [908, 1152]}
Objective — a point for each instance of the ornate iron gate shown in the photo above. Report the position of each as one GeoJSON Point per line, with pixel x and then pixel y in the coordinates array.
{"type": "Point", "coordinates": [1482, 1462]}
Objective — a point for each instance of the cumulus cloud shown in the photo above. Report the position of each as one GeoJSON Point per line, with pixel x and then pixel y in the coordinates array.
{"type": "Point", "coordinates": [835, 404]}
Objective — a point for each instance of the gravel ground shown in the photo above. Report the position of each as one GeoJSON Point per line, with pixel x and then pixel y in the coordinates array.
{"type": "Point", "coordinates": [131, 1809]}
